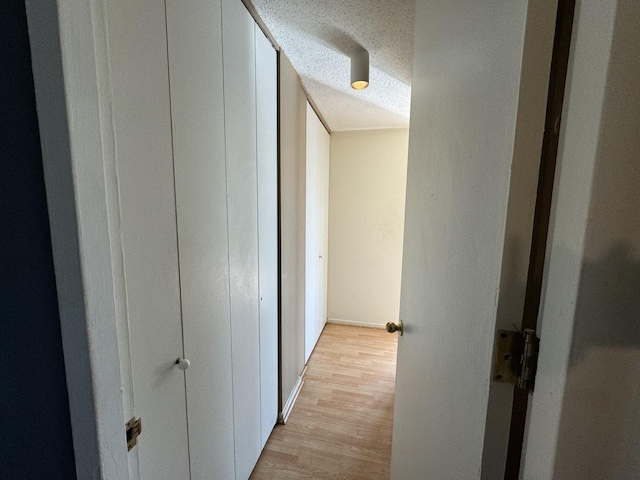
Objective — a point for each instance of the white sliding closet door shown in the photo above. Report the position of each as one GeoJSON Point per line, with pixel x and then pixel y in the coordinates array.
{"type": "Point", "coordinates": [316, 231]}
{"type": "Point", "coordinates": [142, 122]}
{"type": "Point", "coordinates": [242, 200]}
{"type": "Point", "coordinates": [267, 148]}
{"type": "Point", "coordinates": [197, 99]}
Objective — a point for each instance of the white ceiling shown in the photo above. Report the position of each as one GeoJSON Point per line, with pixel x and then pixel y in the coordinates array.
{"type": "Point", "coordinates": [319, 35]}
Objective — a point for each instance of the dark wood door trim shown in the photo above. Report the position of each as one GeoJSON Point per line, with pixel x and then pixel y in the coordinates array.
{"type": "Point", "coordinates": [555, 99]}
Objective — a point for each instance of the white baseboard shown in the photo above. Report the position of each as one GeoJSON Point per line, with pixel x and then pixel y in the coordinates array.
{"type": "Point", "coordinates": [353, 323]}
{"type": "Point", "coordinates": [286, 411]}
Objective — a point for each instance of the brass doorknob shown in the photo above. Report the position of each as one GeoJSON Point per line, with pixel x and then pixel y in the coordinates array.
{"type": "Point", "coordinates": [395, 327]}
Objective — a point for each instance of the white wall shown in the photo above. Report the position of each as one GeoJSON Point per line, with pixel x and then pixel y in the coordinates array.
{"type": "Point", "coordinates": [368, 174]}
{"type": "Point", "coordinates": [585, 419]}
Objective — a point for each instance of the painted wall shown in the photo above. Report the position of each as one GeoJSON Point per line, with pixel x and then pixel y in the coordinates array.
{"type": "Point", "coordinates": [585, 419]}
{"type": "Point", "coordinates": [368, 175]}
{"type": "Point", "coordinates": [293, 104]}
{"type": "Point", "coordinates": [35, 430]}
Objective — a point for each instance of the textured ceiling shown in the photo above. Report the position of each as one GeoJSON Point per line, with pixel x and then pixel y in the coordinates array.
{"type": "Point", "coordinates": [319, 35]}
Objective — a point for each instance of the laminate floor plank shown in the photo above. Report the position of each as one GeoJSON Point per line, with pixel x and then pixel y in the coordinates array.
{"type": "Point", "coordinates": [341, 424]}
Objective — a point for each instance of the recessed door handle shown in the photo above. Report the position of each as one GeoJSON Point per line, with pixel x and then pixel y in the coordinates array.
{"type": "Point", "coordinates": [395, 327]}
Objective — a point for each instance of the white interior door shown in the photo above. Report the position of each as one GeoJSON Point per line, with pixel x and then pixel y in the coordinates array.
{"type": "Point", "coordinates": [316, 230]}
{"type": "Point", "coordinates": [267, 157]}
{"type": "Point", "coordinates": [197, 107]}
{"type": "Point", "coordinates": [465, 88]}
{"type": "Point", "coordinates": [242, 200]}
{"type": "Point", "coordinates": [142, 123]}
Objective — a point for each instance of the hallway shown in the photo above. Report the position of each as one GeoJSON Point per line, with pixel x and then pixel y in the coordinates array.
{"type": "Point", "coordinates": [341, 424]}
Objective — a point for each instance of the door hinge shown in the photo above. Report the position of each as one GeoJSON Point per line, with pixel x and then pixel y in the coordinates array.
{"type": "Point", "coordinates": [516, 358]}
{"type": "Point", "coordinates": [134, 428]}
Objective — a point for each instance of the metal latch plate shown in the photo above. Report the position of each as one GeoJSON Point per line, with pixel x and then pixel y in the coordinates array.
{"type": "Point", "coordinates": [134, 428]}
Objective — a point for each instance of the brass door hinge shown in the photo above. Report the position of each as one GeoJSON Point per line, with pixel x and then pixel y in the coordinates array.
{"type": "Point", "coordinates": [516, 358]}
{"type": "Point", "coordinates": [134, 428]}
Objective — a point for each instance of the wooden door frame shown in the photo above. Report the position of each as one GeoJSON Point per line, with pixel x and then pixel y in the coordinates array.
{"type": "Point", "coordinates": [542, 215]}
{"type": "Point", "coordinates": [69, 56]}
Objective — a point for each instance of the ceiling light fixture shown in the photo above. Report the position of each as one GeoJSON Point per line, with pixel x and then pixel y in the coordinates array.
{"type": "Point", "coordinates": [360, 70]}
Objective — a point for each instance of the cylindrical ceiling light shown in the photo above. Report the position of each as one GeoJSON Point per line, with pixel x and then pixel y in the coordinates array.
{"type": "Point", "coordinates": [360, 70]}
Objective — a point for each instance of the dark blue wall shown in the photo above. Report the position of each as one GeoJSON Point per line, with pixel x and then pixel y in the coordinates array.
{"type": "Point", "coordinates": [35, 431]}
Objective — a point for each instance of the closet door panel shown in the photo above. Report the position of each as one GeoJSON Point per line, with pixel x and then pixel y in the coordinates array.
{"type": "Point", "coordinates": [141, 114]}
{"type": "Point", "coordinates": [197, 99]}
{"type": "Point", "coordinates": [324, 150]}
{"type": "Point", "coordinates": [267, 148]}
{"type": "Point", "coordinates": [240, 128]}
{"type": "Point", "coordinates": [316, 230]}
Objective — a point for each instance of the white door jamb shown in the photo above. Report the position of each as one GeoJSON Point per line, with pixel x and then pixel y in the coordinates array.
{"type": "Point", "coordinates": [68, 47]}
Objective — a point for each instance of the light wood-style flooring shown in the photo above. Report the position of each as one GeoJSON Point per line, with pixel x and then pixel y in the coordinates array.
{"type": "Point", "coordinates": [340, 426]}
